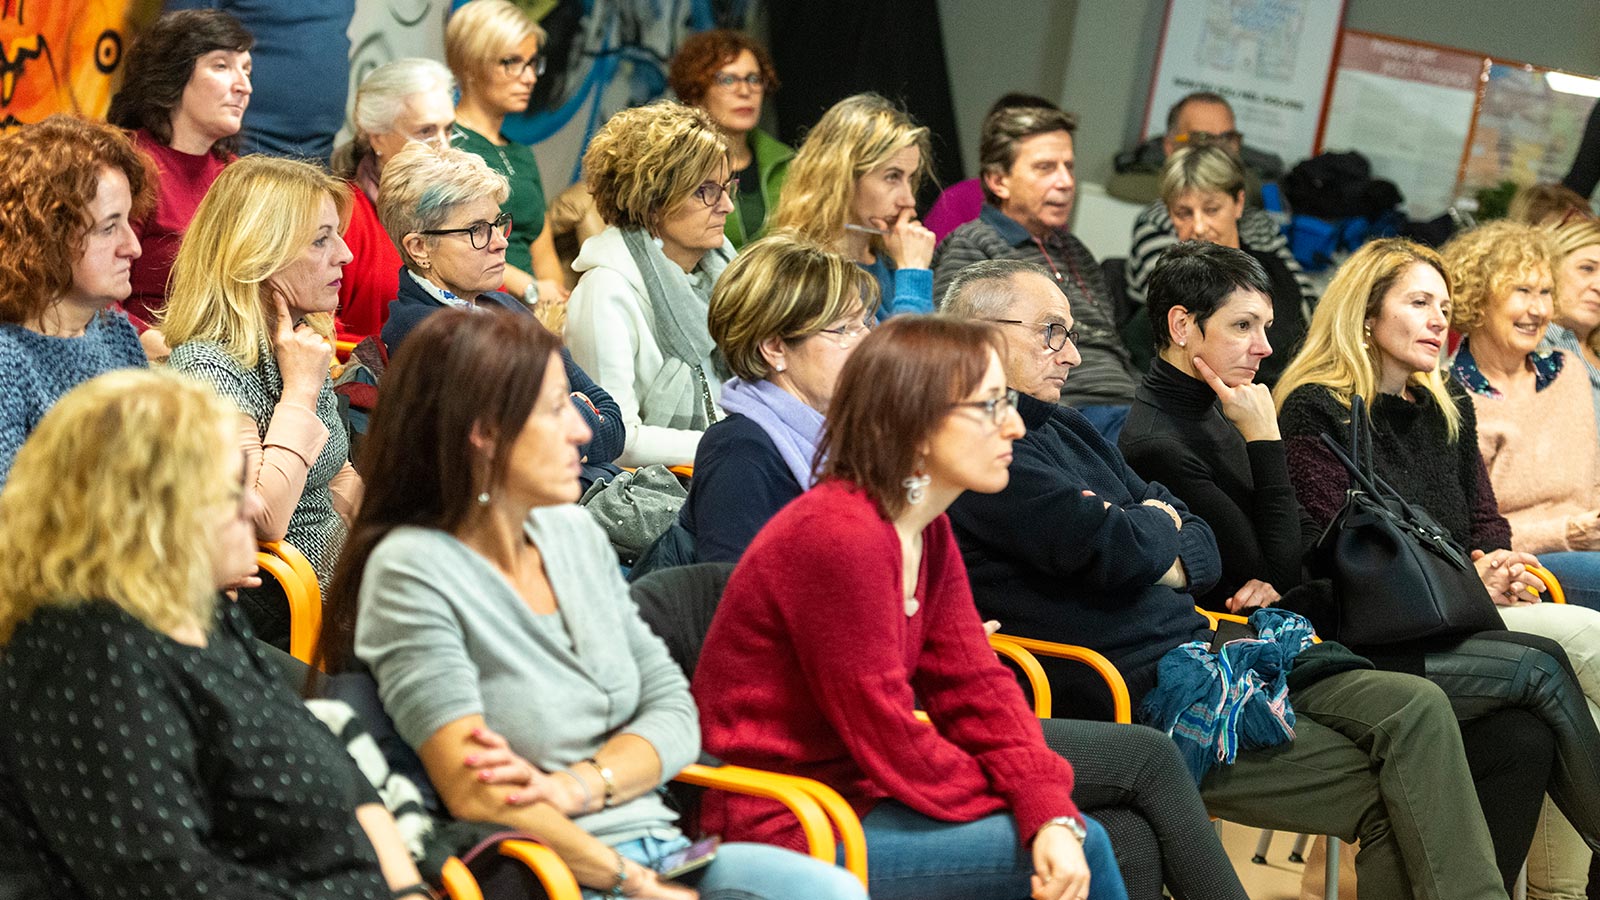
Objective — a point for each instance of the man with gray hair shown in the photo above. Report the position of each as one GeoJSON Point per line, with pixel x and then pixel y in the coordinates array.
{"type": "Point", "coordinates": [1026, 160]}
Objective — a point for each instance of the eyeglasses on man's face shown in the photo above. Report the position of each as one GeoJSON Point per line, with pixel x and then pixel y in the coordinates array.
{"type": "Point", "coordinates": [995, 409]}
{"type": "Point", "coordinates": [755, 81]}
{"type": "Point", "coordinates": [1208, 139]}
{"type": "Point", "coordinates": [847, 336]}
{"type": "Point", "coordinates": [1055, 334]}
{"type": "Point", "coordinates": [478, 232]}
{"type": "Point", "coordinates": [710, 193]}
{"type": "Point", "coordinates": [513, 66]}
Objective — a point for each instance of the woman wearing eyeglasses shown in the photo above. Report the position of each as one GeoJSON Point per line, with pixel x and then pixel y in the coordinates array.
{"type": "Point", "coordinates": [637, 319]}
{"type": "Point", "coordinates": [728, 74]}
{"type": "Point", "coordinates": [785, 315]}
{"type": "Point", "coordinates": [493, 49]}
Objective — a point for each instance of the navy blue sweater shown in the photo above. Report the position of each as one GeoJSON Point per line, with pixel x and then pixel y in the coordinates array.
{"type": "Point", "coordinates": [1051, 563]}
{"type": "Point", "coordinates": [739, 483]}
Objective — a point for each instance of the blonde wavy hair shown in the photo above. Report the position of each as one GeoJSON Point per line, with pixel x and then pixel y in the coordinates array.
{"type": "Point", "coordinates": [787, 287]}
{"type": "Point", "coordinates": [113, 497]}
{"type": "Point", "coordinates": [1566, 240]}
{"type": "Point", "coordinates": [1336, 353]}
{"type": "Point", "coordinates": [478, 32]}
{"type": "Point", "coordinates": [257, 218]}
{"type": "Point", "coordinates": [646, 161]}
{"type": "Point", "coordinates": [1487, 262]}
{"type": "Point", "coordinates": [855, 136]}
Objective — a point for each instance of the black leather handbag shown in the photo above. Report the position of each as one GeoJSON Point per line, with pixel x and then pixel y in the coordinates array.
{"type": "Point", "coordinates": [1399, 576]}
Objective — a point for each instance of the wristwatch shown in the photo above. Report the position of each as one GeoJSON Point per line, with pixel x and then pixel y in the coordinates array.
{"type": "Point", "coordinates": [530, 294]}
{"type": "Point", "coordinates": [1070, 823]}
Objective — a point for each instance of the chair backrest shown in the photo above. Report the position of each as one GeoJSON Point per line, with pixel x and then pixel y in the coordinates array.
{"type": "Point", "coordinates": [678, 603]}
{"type": "Point", "coordinates": [286, 565]}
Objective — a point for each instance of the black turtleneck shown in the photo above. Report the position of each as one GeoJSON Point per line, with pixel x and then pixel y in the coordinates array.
{"type": "Point", "coordinates": [1176, 435]}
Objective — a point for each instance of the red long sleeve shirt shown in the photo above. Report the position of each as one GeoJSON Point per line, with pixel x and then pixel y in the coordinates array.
{"type": "Point", "coordinates": [813, 668]}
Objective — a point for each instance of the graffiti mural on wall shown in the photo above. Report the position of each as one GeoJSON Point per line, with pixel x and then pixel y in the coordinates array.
{"type": "Point", "coordinates": [63, 55]}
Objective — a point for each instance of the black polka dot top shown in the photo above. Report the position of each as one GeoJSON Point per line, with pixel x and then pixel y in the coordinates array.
{"type": "Point", "coordinates": [135, 766]}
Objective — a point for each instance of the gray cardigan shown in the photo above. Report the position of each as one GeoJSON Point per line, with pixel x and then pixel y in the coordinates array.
{"type": "Point", "coordinates": [447, 637]}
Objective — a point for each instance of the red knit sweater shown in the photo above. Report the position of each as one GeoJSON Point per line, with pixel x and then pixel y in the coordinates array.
{"type": "Point", "coordinates": [182, 182]}
{"type": "Point", "coordinates": [372, 279]}
{"type": "Point", "coordinates": [813, 668]}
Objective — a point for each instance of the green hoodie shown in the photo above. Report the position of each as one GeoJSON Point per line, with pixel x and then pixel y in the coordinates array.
{"type": "Point", "coordinates": [772, 165]}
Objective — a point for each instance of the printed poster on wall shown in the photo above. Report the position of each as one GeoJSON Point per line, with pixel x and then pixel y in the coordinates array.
{"type": "Point", "coordinates": [1270, 58]}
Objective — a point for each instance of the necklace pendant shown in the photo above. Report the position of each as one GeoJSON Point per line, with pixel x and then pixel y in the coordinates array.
{"type": "Point", "coordinates": [912, 605]}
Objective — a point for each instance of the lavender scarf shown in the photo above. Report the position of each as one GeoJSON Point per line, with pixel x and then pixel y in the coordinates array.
{"type": "Point", "coordinates": [793, 426]}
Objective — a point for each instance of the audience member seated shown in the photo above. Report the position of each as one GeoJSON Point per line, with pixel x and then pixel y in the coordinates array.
{"type": "Point", "coordinates": [261, 256]}
{"type": "Point", "coordinates": [853, 187]}
{"type": "Point", "coordinates": [153, 749]}
{"type": "Point", "coordinates": [1393, 296]}
{"type": "Point", "coordinates": [493, 48]}
{"type": "Point", "coordinates": [1028, 189]}
{"type": "Point", "coordinates": [1206, 119]}
{"type": "Point", "coordinates": [480, 596]}
{"type": "Point", "coordinates": [185, 88]}
{"type": "Point", "coordinates": [75, 186]}
{"type": "Point", "coordinates": [851, 608]}
{"type": "Point", "coordinates": [441, 207]}
{"type": "Point", "coordinates": [961, 202]}
{"type": "Point", "coordinates": [728, 73]}
{"type": "Point", "coordinates": [1547, 205]}
{"type": "Point", "coordinates": [1078, 548]}
{"type": "Point", "coordinates": [785, 316]}
{"type": "Point", "coordinates": [637, 319]}
{"type": "Point", "coordinates": [1576, 328]}
{"type": "Point", "coordinates": [1203, 189]}
{"type": "Point", "coordinates": [1536, 428]}
{"type": "Point", "coordinates": [1205, 430]}
{"type": "Point", "coordinates": [398, 102]}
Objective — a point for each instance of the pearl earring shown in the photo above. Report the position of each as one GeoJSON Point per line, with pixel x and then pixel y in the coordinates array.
{"type": "Point", "coordinates": [1183, 343]}
{"type": "Point", "coordinates": [483, 499]}
{"type": "Point", "coordinates": [779, 367]}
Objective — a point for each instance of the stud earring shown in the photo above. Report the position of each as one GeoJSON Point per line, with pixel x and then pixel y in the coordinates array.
{"type": "Point", "coordinates": [779, 367]}
{"type": "Point", "coordinates": [1183, 343]}
{"type": "Point", "coordinates": [483, 499]}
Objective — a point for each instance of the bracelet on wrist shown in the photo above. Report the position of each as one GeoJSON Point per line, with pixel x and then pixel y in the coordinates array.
{"type": "Point", "coordinates": [412, 890]}
{"type": "Point", "coordinates": [622, 877]}
{"type": "Point", "coordinates": [608, 780]}
{"type": "Point", "coordinates": [1070, 823]}
{"type": "Point", "coordinates": [588, 795]}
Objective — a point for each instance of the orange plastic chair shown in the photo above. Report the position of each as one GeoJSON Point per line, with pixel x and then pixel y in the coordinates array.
{"type": "Point", "coordinates": [343, 349]}
{"type": "Point", "coordinates": [553, 874]}
{"type": "Point", "coordinates": [1008, 645]}
{"type": "Point", "coordinates": [290, 568]}
{"type": "Point", "coordinates": [1551, 585]}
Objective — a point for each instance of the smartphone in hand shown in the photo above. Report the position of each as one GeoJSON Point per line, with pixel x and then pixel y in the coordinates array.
{"type": "Point", "coordinates": [697, 855]}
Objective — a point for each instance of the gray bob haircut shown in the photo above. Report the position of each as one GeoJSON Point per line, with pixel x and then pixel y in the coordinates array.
{"type": "Point", "coordinates": [382, 94]}
{"type": "Point", "coordinates": [987, 289]}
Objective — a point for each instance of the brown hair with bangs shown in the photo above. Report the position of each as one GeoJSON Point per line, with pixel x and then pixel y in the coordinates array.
{"type": "Point", "coordinates": [49, 174]}
{"type": "Point", "coordinates": [894, 391]}
{"type": "Point", "coordinates": [161, 63]}
{"type": "Point", "coordinates": [459, 370]}
{"type": "Point", "coordinates": [703, 55]}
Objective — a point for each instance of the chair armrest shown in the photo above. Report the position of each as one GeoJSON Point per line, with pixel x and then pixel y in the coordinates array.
{"type": "Point", "coordinates": [1215, 617]}
{"type": "Point", "coordinates": [293, 572]}
{"type": "Point", "coordinates": [546, 866]}
{"type": "Point", "coordinates": [1551, 585]}
{"type": "Point", "coordinates": [1121, 703]}
{"type": "Point", "coordinates": [458, 882]}
{"type": "Point", "coordinates": [343, 349]}
{"type": "Point", "coordinates": [1038, 683]}
{"type": "Point", "coordinates": [819, 808]}
{"type": "Point", "coordinates": [683, 471]}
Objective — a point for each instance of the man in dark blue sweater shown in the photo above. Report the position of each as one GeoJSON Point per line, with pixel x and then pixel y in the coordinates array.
{"type": "Point", "coordinates": [1079, 549]}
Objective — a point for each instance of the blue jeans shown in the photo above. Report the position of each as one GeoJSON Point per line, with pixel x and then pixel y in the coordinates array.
{"type": "Point", "coordinates": [1106, 419]}
{"type": "Point", "coordinates": [913, 857]}
{"type": "Point", "coordinates": [1579, 574]}
{"type": "Point", "coordinates": [750, 872]}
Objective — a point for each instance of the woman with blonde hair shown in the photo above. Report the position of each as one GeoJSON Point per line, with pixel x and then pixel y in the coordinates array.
{"type": "Point", "coordinates": [494, 50]}
{"type": "Point", "coordinates": [852, 187]}
{"type": "Point", "coordinates": [253, 288]}
{"type": "Point", "coordinates": [637, 319]}
{"type": "Point", "coordinates": [1380, 331]}
{"type": "Point", "coordinates": [82, 184]}
{"type": "Point", "coordinates": [154, 749]}
{"type": "Point", "coordinates": [1576, 328]}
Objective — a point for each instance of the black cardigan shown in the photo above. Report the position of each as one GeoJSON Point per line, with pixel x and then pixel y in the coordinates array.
{"type": "Point", "coordinates": [1051, 563]}
{"type": "Point", "coordinates": [740, 482]}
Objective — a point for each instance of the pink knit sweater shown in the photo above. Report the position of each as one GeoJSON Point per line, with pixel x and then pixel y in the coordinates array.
{"type": "Point", "coordinates": [1544, 463]}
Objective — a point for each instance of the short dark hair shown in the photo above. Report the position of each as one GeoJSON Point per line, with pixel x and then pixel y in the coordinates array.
{"type": "Point", "coordinates": [160, 64]}
{"type": "Point", "coordinates": [1196, 97]}
{"type": "Point", "coordinates": [925, 363]}
{"type": "Point", "coordinates": [1017, 99]}
{"type": "Point", "coordinates": [458, 370]}
{"type": "Point", "coordinates": [1199, 276]}
{"type": "Point", "coordinates": [1005, 128]}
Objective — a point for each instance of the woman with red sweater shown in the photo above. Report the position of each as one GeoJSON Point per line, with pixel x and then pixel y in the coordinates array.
{"type": "Point", "coordinates": [851, 609]}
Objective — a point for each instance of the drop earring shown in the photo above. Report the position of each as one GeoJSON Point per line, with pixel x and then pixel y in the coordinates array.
{"type": "Point", "coordinates": [1366, 336]}
{"type": "Point", "coordinates": [916, 486]}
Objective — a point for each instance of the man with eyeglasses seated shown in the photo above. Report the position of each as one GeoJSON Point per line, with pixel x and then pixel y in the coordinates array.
{"type": "Point", "coordinates": [1077, 548]}
{"type": "Point", "coordinates": [1205, 118]}
{"type": "Point", "coordinates": [1026, 166]}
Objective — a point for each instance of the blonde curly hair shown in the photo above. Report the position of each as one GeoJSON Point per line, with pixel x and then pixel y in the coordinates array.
{"type": "Point", "coordinates": [1484, 264]}
{"type": "Point", "coordinates": [112, 498]}
{"type": "Point", "coordinates": [646, 161]}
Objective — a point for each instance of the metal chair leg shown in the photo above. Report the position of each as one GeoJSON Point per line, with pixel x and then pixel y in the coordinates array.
{"type": "Point", "coordinates": [1297, 854]}
{"type": "Point", "coordinates": [1262, 846]}
{"type": "Point", "coordinates": [1331, 873]}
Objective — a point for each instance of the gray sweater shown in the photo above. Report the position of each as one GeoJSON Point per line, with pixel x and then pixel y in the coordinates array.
{"type": "Point", "coordinates": [447, 637]}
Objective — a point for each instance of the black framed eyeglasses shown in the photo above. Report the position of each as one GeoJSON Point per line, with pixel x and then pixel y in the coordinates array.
{"type": "Point", "coordinates": [754, 80]}
{"type": "Point", "coordinates": [710, 193]}
{"type": "Point", "coordinates": [478, 232]}
{"type": "Point", "coordinates": [995, 408]}
{"type": "Point", "coordinates": [514, 66]}
{"type": "Point", "coordinates": [1208, 138]}
{"type": "Point", "coordinates": [1055, 334]}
